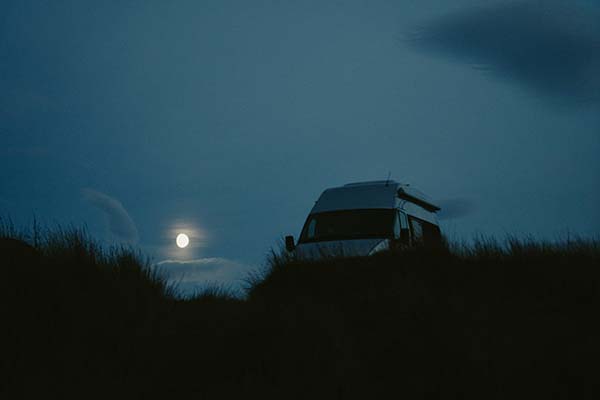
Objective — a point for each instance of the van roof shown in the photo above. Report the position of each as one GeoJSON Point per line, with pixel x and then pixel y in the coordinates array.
{"type": "Point", "coordinates": [373, 194]}
{"type": "Point", "coordinates": [369, 183]}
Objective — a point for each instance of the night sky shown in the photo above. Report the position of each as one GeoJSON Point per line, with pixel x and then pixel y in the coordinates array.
{"type": "Point", "coordinates": [226, 119]}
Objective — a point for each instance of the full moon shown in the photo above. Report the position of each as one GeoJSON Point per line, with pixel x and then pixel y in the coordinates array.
{"type": "Point", "coordinates": [182, 240]}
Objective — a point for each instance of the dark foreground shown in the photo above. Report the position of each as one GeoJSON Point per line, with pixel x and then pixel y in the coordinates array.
{"type": "Point", "coordinates": [485, 323]}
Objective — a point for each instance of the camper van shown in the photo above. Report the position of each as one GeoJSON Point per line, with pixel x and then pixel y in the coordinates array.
{"type": "Point", "coordinates": [361, 219]}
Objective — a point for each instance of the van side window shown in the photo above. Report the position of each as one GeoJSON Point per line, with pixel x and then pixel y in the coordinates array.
{"type": "Point", "coordinates": [416, 229]}
{"type": "Point", "coordinates": [425, 232]}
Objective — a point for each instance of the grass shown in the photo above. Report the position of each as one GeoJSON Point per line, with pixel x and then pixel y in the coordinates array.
{"type": "Point", "coordinates": [512, 319]}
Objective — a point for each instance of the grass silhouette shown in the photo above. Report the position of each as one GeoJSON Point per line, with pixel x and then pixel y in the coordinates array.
{"type": "Point", "coordinates": [515, 319]}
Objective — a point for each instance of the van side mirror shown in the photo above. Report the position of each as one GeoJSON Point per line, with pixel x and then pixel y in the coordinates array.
{"type": "Point", "coordinates": [404, 236]}
{"type": "Point", "coordinates": [289, 243]}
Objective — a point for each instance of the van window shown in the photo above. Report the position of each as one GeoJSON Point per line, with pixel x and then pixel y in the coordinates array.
{"type": "Point", "coordinates": [349, 224]}
{"type": "Point", "coordinates": [311, 228]}
{"type": "Point", "coordinates": [425, 232]}
{"type": "Point", "coordinates": [416, 230]}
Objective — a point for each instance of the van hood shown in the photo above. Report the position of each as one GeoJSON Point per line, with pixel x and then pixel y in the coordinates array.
{"type": "Point", "coordinates": [340, 248]}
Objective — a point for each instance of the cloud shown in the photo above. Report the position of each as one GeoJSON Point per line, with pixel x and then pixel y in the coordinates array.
{"type": "Point", "coordinates": [192, 275]}
{"type": "Point", "coordinates": [455, 208]}
{"type": "Point", "coordinates": [120, 223]}
{"type": "Point", "coordinates": [551, 47]}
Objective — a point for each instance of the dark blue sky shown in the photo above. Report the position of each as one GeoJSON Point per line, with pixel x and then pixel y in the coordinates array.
{"type": "Point", "coordinates": [228, 118]}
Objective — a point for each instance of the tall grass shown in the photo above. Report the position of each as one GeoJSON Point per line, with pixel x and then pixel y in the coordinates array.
{"type": "Point", "coordinates": [500, 319]}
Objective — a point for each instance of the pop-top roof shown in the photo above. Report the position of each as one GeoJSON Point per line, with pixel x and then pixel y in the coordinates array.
{"type": "Point", "coordinates": [374, 194]}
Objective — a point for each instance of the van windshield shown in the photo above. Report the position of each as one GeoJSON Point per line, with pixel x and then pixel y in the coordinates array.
{"type": "Point", "coordinates": [348, 224]}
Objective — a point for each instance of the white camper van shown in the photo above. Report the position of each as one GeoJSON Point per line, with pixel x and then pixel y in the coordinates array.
{"type": "Point", "coordinates": [360, 219]}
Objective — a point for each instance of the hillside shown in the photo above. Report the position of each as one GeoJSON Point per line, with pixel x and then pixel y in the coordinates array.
{"type": "Point", "coordinates": [516, 320]}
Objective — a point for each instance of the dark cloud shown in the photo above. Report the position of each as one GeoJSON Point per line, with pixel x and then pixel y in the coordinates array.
{"type": "Point", "coordinates": [455, 208]}
{"type": "Point", "coordinates": [120, 223]}
{"type": "Point", "coordinates": [552, 47]}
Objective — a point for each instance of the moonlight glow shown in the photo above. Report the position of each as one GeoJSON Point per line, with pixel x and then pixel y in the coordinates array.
{"type": "Point", "coordinates": [182, 240]}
